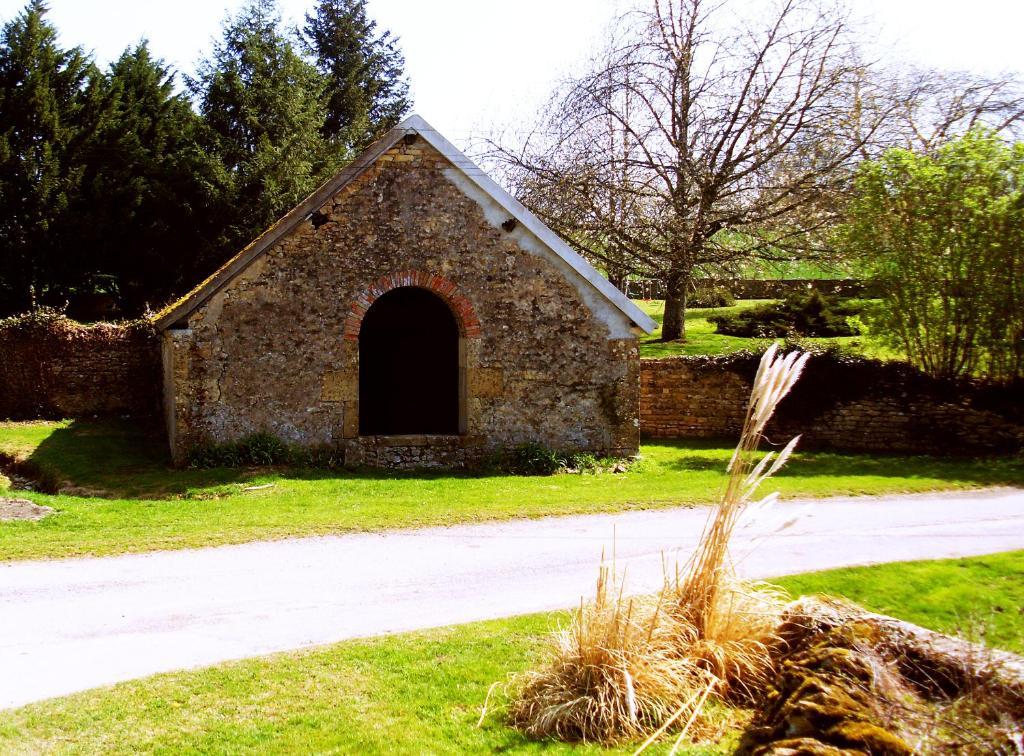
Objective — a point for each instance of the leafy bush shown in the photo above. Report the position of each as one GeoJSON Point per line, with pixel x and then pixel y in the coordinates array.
{"type": "Point", "coordinates": [711, 296]}
{"type": "Point", "coordinates": [942, 235]}
{"type": "Point", "coordinates": [810, 314]}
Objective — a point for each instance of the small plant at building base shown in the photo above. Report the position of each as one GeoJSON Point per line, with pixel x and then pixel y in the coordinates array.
{"type": "Point", "coordinates": [321, 457]}
{"type": "Point", "coordinates": [533, 459]}
{"type": "Point", "coordinates": [628, 667]}
{"type": "Point", "coordinates": [582, 462]}
{"type": "Point", "coordinates": [261, 450]}
{"type": "Point", "coordinates": [264, 449]}
{"type": "Point", "coordinates": [536, 459]}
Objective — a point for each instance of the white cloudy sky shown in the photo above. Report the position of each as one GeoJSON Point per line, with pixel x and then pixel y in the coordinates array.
{"type": "Point", "coordinates": [478, 63]}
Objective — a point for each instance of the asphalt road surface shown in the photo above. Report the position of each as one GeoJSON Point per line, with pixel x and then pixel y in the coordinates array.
{"type": "Point", "coordinates": [69, 625]}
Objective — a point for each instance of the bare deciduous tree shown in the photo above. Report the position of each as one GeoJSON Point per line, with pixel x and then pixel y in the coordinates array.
{"type": "Point", "coordinates": [935, 107]}
{"type": "Point", "coordinates": [699, 139]}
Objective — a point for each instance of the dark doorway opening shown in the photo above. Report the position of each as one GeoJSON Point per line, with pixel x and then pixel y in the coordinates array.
{"type": "Point", "coordinates": [408, 366]}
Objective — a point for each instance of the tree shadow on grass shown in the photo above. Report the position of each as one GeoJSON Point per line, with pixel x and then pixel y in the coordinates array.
{"type": "Point", "coordinates": [694, 463]}
{"type": "Point", "coordinates": [996, 470]}
{"type": "Point", "coordinates": [128, 459]}
{"type": "Point", "coordinates": [122, 459]}
{"type": "Point", "coordinates": [811, 463]}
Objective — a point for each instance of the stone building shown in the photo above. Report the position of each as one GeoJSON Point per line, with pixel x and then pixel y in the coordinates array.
{"type": "Point", "coordinates": [409, 313]}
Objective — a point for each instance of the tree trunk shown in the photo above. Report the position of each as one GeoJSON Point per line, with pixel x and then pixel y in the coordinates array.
{"type": "Point", "coordinates": [673, 327]}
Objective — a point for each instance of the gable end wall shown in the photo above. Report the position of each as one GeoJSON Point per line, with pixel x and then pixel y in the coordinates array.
{"type": "Point", "coordinates": [548, 359]}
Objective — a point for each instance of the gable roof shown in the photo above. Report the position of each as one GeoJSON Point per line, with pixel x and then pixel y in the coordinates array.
{"type": "Point", "coordinates": [414, 124]}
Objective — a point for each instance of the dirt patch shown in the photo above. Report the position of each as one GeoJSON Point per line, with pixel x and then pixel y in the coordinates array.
{"type": "Point", "coordinates": [26, 475]}
{"type": "Point", "coordinates": [22, 509]}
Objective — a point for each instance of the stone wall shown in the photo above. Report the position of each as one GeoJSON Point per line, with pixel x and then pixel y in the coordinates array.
{"type": "Point", "coordinates": [761, 288]}
{"type": "Point", "coordinates": [780, 289]}
{"type": "Point", "coordinates": [839, 403]}
{"type": "Point", "coordinates": [52, 367]}
{"type": "Point", "coordinates": [543, 357]}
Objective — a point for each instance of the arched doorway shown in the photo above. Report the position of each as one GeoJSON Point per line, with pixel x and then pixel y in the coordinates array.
{"type": "Point", "coordinates": [408, 365]}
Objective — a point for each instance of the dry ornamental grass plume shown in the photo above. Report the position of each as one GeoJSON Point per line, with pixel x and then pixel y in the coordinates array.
{"type": "Point", "coordinates": [627, 668]}
{"type": "Point", "coordinates": [729, 620]}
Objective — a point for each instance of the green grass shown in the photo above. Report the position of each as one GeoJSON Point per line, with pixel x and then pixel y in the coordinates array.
{"type": "Point", "coordinates": [413, 693]}
{"type": "Point", "coordinates": [422, 692]}
{"type": "Point", "coordinates": [981, 598]}
{"type": "Point", "coordinates": [125, 497]}
{"type": "Point", "coordinates": [702, 339]}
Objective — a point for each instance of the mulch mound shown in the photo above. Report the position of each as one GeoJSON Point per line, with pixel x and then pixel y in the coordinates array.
{"type": "Point", "coordinates": [22, 509]}
{"type": "Point", "coordinates": [853, 682]}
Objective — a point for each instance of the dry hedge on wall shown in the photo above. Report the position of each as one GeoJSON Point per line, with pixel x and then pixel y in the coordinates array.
{"type": "Point", "coordinates": [54, 367]}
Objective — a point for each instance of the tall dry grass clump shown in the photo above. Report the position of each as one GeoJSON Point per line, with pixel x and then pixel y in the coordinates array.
{"type": "Point", "coordinates": [731, 623]}
{"type": "Point", "coordinates": [627, 668]}
{"type": "Point", "coordinates": [614, 672]}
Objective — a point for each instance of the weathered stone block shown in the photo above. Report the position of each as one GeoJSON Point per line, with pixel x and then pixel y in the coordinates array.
{"type": "Point", "coordinates": [485, 382]}
{"type": "Point", "coordinates": [340, 386]}
{"type": "Point", "coordinates": [351, 419]}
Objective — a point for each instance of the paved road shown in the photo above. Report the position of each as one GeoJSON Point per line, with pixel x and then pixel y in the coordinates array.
{"type": "Point", "coordinates": [73, 624]}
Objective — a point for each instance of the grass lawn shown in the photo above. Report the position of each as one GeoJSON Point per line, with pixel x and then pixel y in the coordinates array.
{"type": "Point", "coordinates": [981, 598]}
{"type": "Point", "coordinates": [422, 692]}
{"type": "Point", "coordinates": [125, 498]}
{"type": "Point", "coordinates": [702, 339]}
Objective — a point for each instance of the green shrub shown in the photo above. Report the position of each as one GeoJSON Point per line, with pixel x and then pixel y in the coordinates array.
{"type": "Point", "coordinates": [811, 314]}
{"type": "Point", "coordinates": [580, 462]}
{"type": "Point", "coordinates": [324, 457]}
{"type": "Point", "coordinates": [533, 459]}
{"type": "Point", "coordinates": [263, 449]}
{"type": "Point", "coordinates": [259, 450]}
{"type": "Point", "coordinates": [711, 296]}
{"type": "Point", "coordinates": [536, 459]}
{"type": "Point", "coordinates": [858, 325]}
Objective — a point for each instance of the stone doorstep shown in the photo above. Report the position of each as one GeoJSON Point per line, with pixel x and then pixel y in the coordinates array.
{"type": "Point", "coordinates": [431, 440]}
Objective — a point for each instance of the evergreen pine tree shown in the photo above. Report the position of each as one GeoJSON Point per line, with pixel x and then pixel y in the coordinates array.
{"type": "Point", "coordinates": [47, 99]}
{"type": "Point", "coordinates": [367, 92]}
{"type": "Point", "coordinates": [262, 106]}
{"type": "Point", "coordinates": [150, 193]}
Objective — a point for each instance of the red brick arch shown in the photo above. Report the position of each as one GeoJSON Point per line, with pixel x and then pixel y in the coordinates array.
{"type": "Point", "coordinates": [465, 315]}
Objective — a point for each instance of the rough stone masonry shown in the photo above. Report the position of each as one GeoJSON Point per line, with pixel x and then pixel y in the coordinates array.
{"type": "Point", "coordinates": [271, 342]}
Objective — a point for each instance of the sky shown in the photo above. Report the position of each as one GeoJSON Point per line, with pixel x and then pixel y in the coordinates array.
{"type": "Point", "coordinates": [479, 65]}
